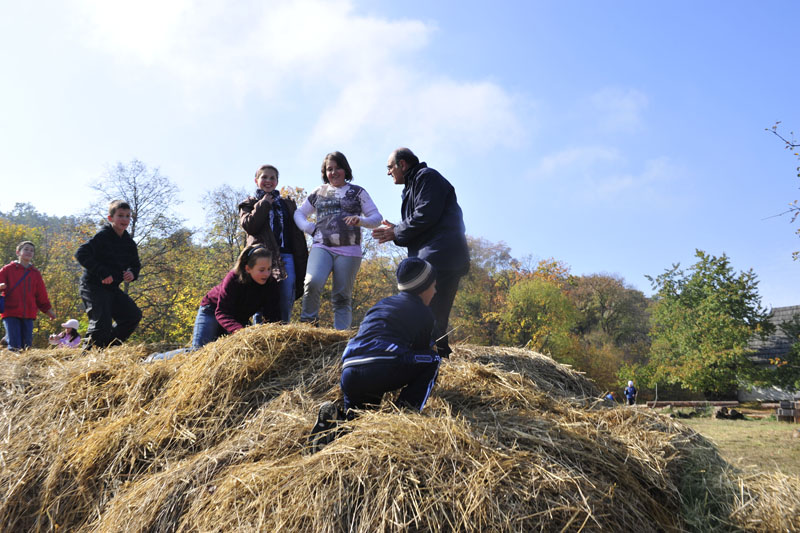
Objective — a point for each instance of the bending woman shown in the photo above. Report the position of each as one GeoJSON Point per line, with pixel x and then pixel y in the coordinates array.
{"type": "Point", "coordinates": [341, 208]}
{"type": "Point", "coordinates": [247, 289]}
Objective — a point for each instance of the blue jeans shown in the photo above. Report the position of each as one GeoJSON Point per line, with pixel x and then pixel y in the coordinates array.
{"type": "Point", "coordinates": [19, 332]}
{"type": "Point", "coordinates": [206, 327]}
{"type": "Point", "coordinates": [286, 288]}
{"type": "Point", "coordinates": [321, 263]}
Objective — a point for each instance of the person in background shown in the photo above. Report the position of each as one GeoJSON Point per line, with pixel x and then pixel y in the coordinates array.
{"type": "Point", "coordinates": [25, 296]}
{"type": "Point", "coordinates": [392, 350]}
{"type": "Point", "coordinates": [341, 208]}
{"type": "Point", "coordinates": [68, 338]}
{"type": "Point", "coordinates": [108, 259]}
{"type": "Point", "coordinates": [630, 393]}
{"type": "Point", "coordinates": [268, 220]}
{"type": "Point", "coordinates": [248, 289]}
{"type": "Point", "coordinates": [432, 228]}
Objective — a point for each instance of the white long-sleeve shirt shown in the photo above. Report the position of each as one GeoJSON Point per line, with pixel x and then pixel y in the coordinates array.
{"type": "Point", "coordinates": [332, 205]}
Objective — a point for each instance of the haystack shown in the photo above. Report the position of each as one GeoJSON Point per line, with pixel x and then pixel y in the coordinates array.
{"type": "Point", "coordinates": [215, 440]}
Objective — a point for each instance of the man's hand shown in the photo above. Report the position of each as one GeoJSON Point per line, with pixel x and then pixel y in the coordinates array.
{"type": "Point", "coordinates": [384, 233]}
{"type": "Point", "coordinates": [127, 276]}
{"type": "Point", "coordinates": [51, 314]}
{"type": "Point", "coordinates": [107, 281]}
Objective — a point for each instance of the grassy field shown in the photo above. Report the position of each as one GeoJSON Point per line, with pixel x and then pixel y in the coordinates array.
{"type": "Point", "coordinates": [757, 443]}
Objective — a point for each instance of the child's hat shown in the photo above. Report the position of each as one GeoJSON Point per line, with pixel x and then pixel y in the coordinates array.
{"type": "Point", "coordinates": [414, 275]}
{"type": "Point", "coordinates": [71, 323]}
{"type": "Point", "coordinates": [630, 384]}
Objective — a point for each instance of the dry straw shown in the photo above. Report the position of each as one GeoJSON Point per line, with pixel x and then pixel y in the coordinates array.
{"type": "Point", "coordinates": [215, 441]}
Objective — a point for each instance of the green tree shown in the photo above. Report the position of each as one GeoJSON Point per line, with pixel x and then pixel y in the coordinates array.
{"type": "Point", "coordinates": [540, 316]}
{"type": "Point", "coordinates": [701, 322]}
{"type": "Point", "coordinates": [481, 297]}
{"type": "Point", "coordinates": [609, 306]}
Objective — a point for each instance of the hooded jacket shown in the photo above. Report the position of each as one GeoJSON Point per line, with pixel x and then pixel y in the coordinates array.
{"type": "Point", "coordinates": [29, 296]}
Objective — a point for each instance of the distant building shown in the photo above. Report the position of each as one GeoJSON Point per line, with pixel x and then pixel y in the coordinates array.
{"type": "Point", "coordinates": [775, 345]}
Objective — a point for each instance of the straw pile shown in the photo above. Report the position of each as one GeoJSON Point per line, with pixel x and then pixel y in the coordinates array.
{"type": "Point", "coordinates": [215, 441]}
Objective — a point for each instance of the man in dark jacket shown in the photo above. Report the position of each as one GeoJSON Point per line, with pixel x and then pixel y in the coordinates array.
{"type": "Point", "coordinates": [109, 258]}
{"type": "Point", "coordinates": [432, 229]}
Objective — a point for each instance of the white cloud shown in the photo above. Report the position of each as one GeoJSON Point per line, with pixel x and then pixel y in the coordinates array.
{"type": "Point", "coordinates": [360, 71]}
{"type": "Point", "coordinates": [440, 115]}
{"type": "Point", "coordinates": [595, 174]}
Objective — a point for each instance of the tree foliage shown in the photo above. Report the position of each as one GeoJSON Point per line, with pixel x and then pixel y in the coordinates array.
{"type": "Point", "coordinates": [540, 316]}
{"type": "Point", "coordinates": [701, 323]}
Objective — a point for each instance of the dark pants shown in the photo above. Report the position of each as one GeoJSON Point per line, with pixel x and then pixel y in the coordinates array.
{"type": "Point", "coordinates": [364, 385]}
{"type": "Point", "coordinates": [446, 288]}
{"type": "Point", "coordinates": [106, 304]}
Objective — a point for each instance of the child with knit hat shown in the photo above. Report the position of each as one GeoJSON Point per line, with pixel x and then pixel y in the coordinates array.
{"type": "Point", "coordinates": [392, 350]}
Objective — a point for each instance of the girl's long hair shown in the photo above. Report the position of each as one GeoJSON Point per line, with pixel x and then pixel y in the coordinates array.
{"type": "Point", "coordinates": [248, 257]}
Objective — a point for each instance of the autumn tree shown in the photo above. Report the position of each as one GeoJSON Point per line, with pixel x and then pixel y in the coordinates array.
{"type": "Point", "coordinates": [702, 320]}
{"type": "Point", "coordinates": [540, 316]}
{"type": "Point", "coordinates": [612, 326]}
{"type": "Point", "coordinates": [479, 302]}
{"type": "Point", "coordinates": [11, 235]}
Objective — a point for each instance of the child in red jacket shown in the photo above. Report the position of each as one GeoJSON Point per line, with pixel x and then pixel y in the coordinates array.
{"type": "Point", "coordinates": [24, 296]}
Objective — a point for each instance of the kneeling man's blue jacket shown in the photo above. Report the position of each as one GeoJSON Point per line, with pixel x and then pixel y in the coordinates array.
{"type": "Point", "coordinates": [398, 327]}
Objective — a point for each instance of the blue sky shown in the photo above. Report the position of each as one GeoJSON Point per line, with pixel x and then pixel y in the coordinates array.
{"type": "Point", "coordinates": [617, 137]}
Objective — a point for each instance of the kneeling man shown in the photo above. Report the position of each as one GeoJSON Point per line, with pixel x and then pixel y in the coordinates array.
{"type": "Point", "coordinates": [392, 350]}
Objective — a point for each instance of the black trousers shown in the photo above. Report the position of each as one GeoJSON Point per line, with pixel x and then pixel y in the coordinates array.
{"type": "Point", "coordinates": [364, 385]}
{"type": "Point", "coordinates": [442, 303]}
{"type": "Point", "coordinates": [113, 316]}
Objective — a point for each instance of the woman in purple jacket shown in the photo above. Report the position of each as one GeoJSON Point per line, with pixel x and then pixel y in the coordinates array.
{"type": "Point", "coordinates": [246, 290]}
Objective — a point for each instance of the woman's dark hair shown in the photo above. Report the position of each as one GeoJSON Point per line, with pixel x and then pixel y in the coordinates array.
{"type": "Point", "coordinates": [72, 332]}
{"type": "Point", "coordinates": [248, 257]}
{"type": "Point", "coordinates": [341, 160]}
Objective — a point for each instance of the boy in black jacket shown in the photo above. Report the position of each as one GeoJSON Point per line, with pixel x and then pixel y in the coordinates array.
{"type": "Point", "coordinates": [109, 258]}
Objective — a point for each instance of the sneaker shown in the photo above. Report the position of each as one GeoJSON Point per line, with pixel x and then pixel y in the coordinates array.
{"type": "Point", "coordinates": [323, 431]}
